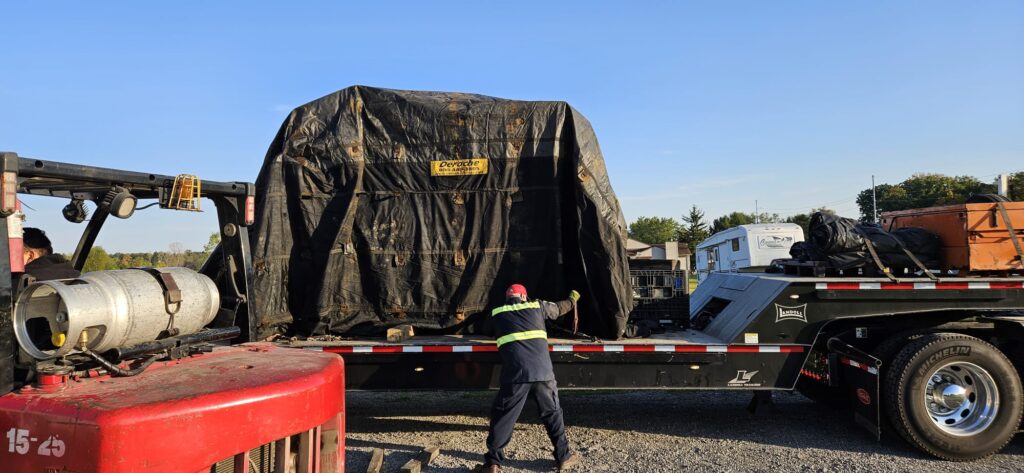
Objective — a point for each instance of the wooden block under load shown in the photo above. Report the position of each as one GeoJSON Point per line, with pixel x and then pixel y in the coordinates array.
{"type": "Point", "coordinates": [400, 333]}
{"type": "Point", "coordinates": [422, 460]}
{"type": "Point", "coordinates": [376, 461]}
{"type": "Point", "coordinates": [429, 454]}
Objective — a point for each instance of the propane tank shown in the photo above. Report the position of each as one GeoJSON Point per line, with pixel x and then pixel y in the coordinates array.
{"type": "Point", "coordinates": [103, 310]}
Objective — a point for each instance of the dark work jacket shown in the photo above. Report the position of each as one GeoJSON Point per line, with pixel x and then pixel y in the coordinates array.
{"type": "Point", "coordinates": [522, 339]}
{"type": "Point", "coordinates": [51, 267]}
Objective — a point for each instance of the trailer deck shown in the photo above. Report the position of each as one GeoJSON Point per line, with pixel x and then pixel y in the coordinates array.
{"type": "Point", "coordinates": [677, 341]}
{"type": "Point", "coordinates": [675, 337]}
{"type": "Point", "coordinates": [759, 334]}
{"type": "Point", "coordinates": [674, 359]}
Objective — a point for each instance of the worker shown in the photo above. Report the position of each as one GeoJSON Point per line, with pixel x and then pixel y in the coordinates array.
{"type": "Point", "coordinates": [526, 371]}
{"type": "Point", "coordinates": [40, 261]}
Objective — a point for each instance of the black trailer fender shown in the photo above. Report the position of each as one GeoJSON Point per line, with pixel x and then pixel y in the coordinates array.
{"type": "Point", "coordinates": [1013, 322]}
{"type": "Point", "coordinates": [858, 372]}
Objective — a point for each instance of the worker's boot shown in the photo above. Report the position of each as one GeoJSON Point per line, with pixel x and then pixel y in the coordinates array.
{"type": "Point", "coordinates": [570, 463]}
{"type": "Point", "coordinates": [487, 469]}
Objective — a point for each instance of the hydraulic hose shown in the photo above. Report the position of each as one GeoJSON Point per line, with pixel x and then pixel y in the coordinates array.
{"type": "Point", "coordinates": [118, 371]}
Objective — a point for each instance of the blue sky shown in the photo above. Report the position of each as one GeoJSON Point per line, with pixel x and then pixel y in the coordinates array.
{"type": "Point", "coordinates": [718, 104]}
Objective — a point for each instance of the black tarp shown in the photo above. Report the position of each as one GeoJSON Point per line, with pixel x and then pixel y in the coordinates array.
{"type": "Point", "coordinates": [841, 243]}
{"type": "Point", "coordinates": [359, 228]}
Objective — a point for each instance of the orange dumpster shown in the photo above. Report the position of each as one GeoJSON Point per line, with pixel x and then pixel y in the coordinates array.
{"type": "Point", "coordinates": [975, 237]}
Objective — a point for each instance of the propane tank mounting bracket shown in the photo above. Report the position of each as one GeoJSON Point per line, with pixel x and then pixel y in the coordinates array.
{"type": "Point", "coordinates": [172, 296]}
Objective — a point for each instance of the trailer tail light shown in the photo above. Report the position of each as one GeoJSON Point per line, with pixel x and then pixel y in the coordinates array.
{"type": "Point", "coordinates": [250, 210]}
{"type": "Point", "coordinates": [9, 188]}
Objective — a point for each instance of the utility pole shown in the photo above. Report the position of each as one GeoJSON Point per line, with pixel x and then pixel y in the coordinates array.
{"type": "Point", "coordinates": [757, 213]}
{"type": "Point", "coordinates": [874, 202]}
{"type": "Point", "coordinates": [1003, 185]}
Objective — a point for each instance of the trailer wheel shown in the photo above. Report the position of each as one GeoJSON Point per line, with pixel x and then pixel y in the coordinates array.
{"type": "Point", "coordinates": [889, 347]}
{"type": "Point", "coordinates": [953, 396]}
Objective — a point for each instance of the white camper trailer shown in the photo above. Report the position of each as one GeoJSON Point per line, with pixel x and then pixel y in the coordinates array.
{"type": "Point", "coordinates": [746, 247]}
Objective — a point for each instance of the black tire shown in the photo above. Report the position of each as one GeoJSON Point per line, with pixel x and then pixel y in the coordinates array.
{"type": "Point", "coordinates": [886, 351]}
{"type": "Point", "coordinates": [904, 395]}
{"type": "Point", "coordinates": [889, 347]}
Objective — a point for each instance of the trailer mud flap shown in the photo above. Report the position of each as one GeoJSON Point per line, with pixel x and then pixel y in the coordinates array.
{"type": "Point", "coordinates": [859, 373]}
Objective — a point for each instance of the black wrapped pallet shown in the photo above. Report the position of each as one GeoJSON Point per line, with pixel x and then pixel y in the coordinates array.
{"type": "Point", "coordinates": [840, 242]}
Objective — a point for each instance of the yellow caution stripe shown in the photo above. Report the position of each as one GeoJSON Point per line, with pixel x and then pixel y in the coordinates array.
{"type": "Point", "coordinates": [518, 336]}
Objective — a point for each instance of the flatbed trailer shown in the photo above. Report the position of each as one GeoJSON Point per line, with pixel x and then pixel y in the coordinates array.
{"type": "Point", "coordinates": [936, 361]}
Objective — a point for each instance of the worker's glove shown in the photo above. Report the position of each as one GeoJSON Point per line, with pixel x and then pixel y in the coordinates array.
{"type": "Point", "coordinates": [574, 296]}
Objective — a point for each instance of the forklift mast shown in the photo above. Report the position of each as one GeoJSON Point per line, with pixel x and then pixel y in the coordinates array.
{"type": "Point", "coordinates": [230, 265]}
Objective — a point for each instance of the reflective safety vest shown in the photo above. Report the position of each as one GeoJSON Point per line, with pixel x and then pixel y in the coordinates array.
{"type": "Point", "coordinates": [527, 335]}
{"type": "Point", "coordinates": [522, 341]}
{"type": "Point", "coordinates": [524, 335]}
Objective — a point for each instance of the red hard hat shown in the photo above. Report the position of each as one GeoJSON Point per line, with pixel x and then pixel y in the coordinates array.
{"type": "Point", "coordinates": [516, 290]}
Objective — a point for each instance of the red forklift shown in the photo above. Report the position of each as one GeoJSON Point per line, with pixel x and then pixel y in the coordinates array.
{"type": "Point", "coordinates": [151, 369]}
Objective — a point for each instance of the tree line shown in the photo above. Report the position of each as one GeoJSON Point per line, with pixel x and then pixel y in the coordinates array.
{"type": "Point", "coordinates": [917, 191]}
{"type": "Point", "coordinates": [928, 190]}
{"type": "Point", "coordinates": [176, 255]}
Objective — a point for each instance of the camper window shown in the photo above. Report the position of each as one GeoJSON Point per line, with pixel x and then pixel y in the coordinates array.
{"type": "Point", "coordinates": [735, 244]}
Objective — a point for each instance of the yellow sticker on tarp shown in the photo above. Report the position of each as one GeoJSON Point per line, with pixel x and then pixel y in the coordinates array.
{"type": "Point", "coordinates": [458, 167]}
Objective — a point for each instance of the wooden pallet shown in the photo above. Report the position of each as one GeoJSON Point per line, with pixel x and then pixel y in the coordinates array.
{"type": "Point", "coordinates": [817, 269]}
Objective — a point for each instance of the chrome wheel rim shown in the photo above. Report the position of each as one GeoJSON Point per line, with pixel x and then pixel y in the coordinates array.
{"type": "Point", "coordinates": [961, 398]}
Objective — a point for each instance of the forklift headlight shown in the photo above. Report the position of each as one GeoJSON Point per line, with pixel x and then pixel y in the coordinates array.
{"type": "Point", "coordinates": [121, 203]}
{"type": "Point", "coordinates": [75, 211]}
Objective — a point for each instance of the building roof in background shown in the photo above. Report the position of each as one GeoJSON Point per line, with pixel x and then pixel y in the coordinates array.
{"type": "Point", "coordinates": [634, 246]}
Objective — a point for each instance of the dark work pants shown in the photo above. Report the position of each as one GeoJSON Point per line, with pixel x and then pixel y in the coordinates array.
{"type": "Point", "coordinates": [506, 409]}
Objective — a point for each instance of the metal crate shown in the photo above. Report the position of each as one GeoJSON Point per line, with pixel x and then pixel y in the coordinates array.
{"type": "Point", "coordinates": [661, 295]}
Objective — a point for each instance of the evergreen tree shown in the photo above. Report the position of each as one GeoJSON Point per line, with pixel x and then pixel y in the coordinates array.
{"type": "Point", "coordinates": [693, 231]}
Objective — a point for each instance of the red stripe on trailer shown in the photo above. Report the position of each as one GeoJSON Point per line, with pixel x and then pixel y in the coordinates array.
{"type": "Point", "coordinates": [842, 285]}
{"type": "Point", "coordinates": [1006, 285]}
{"type": "Point", "coordinates": [898, 286]}
{"type": "Point", "coordinates": [385, 349]}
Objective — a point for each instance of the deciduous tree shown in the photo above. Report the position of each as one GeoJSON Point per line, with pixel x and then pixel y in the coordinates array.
{"type": "Point", "coordinates": [653, 230]}
{"type": "Point", "coordinates": [921, 190]}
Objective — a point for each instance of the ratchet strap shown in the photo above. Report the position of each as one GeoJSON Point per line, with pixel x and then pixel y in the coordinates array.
{"type": "Point", "coordinates": [914, 259]}
{"type": "Point", "coordinates": [874, 255]}
{"type": "Point", "coordinates": [172, 295]}
{"type": "Point", "coordinates": [575, 319]}
{"type": "Point", "coordinates": [1013, 233]}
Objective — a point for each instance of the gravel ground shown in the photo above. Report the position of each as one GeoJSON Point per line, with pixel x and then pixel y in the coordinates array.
{"type": "Point", "coordinates": [650, 431]}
